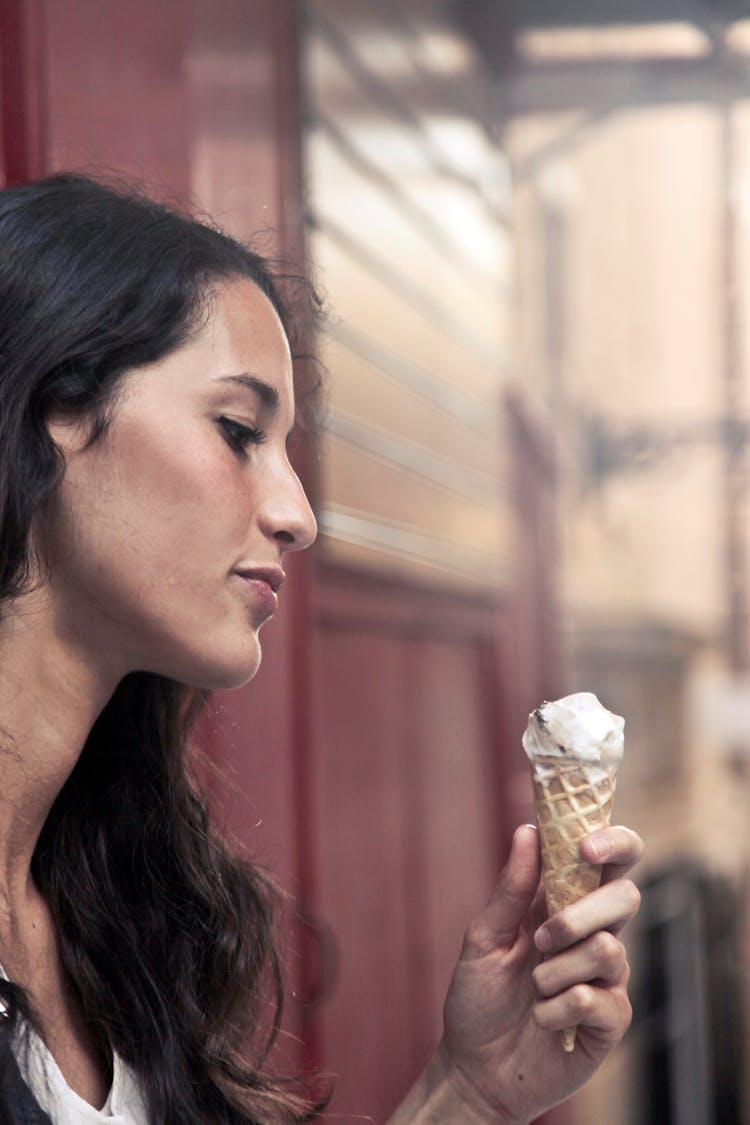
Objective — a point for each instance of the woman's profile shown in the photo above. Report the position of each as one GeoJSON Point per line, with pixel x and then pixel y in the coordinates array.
{"type": "Point", "coordinates": [147, 505]}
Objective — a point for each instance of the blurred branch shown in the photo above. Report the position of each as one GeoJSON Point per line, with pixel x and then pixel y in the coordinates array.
{"type": "Point", "coordinates": [609, 450]}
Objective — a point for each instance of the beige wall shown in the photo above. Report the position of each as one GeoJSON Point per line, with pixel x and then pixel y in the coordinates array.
{"type": "Point", "coordinates": [619, 247]}
{"type": "Point", "coordinates": [639, 201]}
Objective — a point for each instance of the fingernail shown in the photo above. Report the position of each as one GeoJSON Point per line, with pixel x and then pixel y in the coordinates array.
{"type": "Point", "coordinates": [596, 848]}
{"type": "Point", "coordinates": [543, 940]}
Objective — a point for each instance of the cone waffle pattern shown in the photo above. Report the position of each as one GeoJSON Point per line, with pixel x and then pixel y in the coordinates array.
{"type": "Point", "coordinates": [571, 802]}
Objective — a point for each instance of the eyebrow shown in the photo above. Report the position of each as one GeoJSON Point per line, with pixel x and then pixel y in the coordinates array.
{"type": "Point", "coordinates": [268, 395]}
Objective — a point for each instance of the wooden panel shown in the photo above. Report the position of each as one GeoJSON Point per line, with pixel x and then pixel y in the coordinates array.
{"type": "Point", "coordinates": [407, 319]}
{"type": "Point", "coordinates": [453, 829]}
{"type": "Point", "coordinates": [369, 209]}
{"type": "Point", "coordinates": [369, 485]}
{"type": "Point", "coordinates": [408, 95]}
{"type": "Point", "coordinates": [408, 816]}
{"type": "Point", "coordinates": [366, 391]}
{"type": "Point", "coordinates": [359, 799]}
{"type": "Point", "coordinates": [180, 97]}
{"type": "Point", "coordinates": [22, 97]}
{"type": "Point", "coordinates": [116, 91]}
{"type": "Point", "coordinates": [355, 540]}
{"type": "Point", "coordinates": [408, 214]}
{"type": "Point", "coordinates": [241, 72]}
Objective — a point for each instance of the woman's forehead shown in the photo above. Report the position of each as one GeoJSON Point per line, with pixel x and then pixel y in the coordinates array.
{"type": "Point", "coordinates": [244, 325]}
{"type": "Point", "coordinates": [240, 346]}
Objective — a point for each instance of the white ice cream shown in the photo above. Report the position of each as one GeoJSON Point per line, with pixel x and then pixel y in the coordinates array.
{"type": "Point", "coordinates": [576, 727]}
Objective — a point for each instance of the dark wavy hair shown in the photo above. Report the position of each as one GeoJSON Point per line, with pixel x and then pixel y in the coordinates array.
{"type": "Point", "coordinates": [168, 939]}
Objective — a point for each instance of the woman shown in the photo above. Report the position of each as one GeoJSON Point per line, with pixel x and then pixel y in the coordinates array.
{"type": "Point", "coordinates": [147, 504]}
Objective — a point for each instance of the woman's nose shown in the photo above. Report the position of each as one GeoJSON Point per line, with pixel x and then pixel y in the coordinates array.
{"type": "Point", "coordinates": [288, 517]}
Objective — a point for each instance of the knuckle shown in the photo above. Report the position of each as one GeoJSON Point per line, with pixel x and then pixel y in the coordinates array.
{"type": "Point", "coordinates": [539, 980]}
{"type": "Point", "coordinates": [632, 897]}
{"type": "Point", "coordinates": [563, 928]}
{"type": "Point", "coordinates": [608, 951]}
{"type": "Point", "coordinates": [582, 1001]}
{"type": "Point", "coordinates": [540, 1014]}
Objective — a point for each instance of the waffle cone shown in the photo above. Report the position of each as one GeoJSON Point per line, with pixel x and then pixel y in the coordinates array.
{"type": "Point", "coordinates": [571, 801]}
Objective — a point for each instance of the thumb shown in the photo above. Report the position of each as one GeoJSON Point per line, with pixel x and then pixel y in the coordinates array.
{"type": "Point", "coordinates": [517, 885]}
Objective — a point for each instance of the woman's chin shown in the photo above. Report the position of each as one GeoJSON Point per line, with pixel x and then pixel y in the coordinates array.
{"type": "Point", "coordinates": [222, 673]}
{"type": "Point", "coordinates": [233, 676]}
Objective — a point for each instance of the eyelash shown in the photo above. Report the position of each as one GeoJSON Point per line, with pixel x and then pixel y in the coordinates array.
{"type": "Point", "coordinates": [239, 436]}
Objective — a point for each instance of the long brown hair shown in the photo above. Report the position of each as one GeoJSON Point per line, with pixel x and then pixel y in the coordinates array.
{"type": "Point", "coordinates": [168, 939]}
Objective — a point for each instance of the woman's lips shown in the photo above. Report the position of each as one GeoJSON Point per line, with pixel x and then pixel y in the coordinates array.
{"type": "Point", "coordinates": [261, 584]}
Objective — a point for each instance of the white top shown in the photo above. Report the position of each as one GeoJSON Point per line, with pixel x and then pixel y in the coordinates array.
{"type": "Point", "coordinates": [40, 1072]}
{"type": "Point", "coordinates": [124, 1104]}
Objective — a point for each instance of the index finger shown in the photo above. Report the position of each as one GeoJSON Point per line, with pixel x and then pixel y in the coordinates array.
{"type": "Point", "coordinates": [618, 849]}
{"type": "Point", "coordinates": [608, 908]}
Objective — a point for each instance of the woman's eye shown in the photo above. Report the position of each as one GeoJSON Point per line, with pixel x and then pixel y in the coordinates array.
{"type": "Point", "coordinates": [239, 436]}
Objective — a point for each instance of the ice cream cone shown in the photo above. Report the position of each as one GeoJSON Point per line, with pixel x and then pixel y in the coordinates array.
{"type": "Point", "coordinates": [574, 746]}
{"type": "Point", "coordinates": [572, 799]}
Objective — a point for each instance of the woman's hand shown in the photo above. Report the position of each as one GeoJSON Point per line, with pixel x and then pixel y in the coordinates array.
{"type": "Point", "coordinates": [520, 980]}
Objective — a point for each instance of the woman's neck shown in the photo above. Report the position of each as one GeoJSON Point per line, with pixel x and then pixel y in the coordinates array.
{"type": "Point", "coordinates": [50, 696]}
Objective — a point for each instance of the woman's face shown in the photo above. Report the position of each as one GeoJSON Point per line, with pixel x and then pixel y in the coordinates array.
{"type": "Point", "coordinates": [167, 537]}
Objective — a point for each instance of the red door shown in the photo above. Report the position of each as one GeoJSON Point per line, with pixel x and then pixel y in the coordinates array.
{"type": "Point", "coordinates": [408, 814]}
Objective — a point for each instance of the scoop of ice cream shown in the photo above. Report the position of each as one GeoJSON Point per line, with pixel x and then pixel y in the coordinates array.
{"type": "Point", "coordinates": [575, 727]}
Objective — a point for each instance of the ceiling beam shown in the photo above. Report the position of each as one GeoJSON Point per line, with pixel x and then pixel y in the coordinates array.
{"type": "Point", "coordinates": [564, 86]}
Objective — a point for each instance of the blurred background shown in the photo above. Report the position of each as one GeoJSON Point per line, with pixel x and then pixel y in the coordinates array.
{"type": "Point", "coordinates": [530, 220]}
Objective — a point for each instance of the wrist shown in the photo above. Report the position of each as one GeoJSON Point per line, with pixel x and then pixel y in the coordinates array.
{"type": "Point", "coordinates": [444, 1095]}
